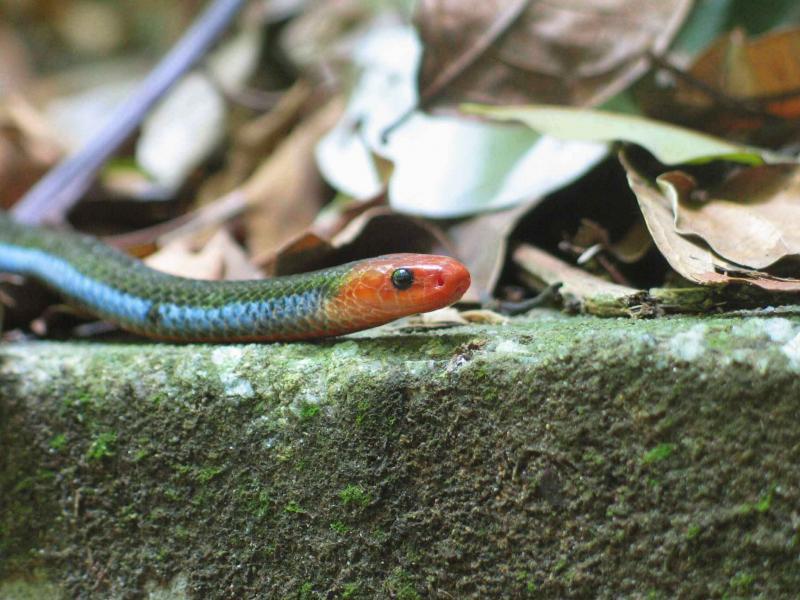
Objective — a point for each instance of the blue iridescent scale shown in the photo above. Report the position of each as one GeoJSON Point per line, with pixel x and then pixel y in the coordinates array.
{"type": "Point", "coordinates": [114, 286]}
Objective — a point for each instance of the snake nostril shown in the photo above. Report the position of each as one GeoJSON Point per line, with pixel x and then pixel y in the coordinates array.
{"type": "Point", "coordinates": [439, 281]}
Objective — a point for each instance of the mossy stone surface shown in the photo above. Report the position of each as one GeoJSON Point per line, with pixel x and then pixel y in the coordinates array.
{"type": "Point", "coordinates": [551, 457]}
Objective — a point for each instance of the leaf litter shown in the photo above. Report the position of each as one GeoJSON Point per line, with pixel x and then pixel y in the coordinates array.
{"type": "Point", "coordinates": [366, 144]}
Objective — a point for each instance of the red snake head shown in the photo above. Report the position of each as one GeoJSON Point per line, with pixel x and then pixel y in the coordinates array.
{"type": "Point", "coordinates": [395, 285]}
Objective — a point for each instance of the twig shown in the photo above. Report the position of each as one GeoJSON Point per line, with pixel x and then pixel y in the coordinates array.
{"type": "Point", "coordinates": [57, 192]}
{"type": "Point", "coordinates": [750, 106]}
{"type": "Point", "coordinates": [502, 24]}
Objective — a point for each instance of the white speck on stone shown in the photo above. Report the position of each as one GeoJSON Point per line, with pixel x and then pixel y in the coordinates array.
{"type": "Point", "coordinates": [510, 347]}
{"type": "Point", "coordinates": [177, 589]}
{"type": "Point", "coordinates": [779, 329]}
{"type": "Point", "coordinates": [237, 386]}
{"type": "Point", "coordinates": [419, 367]}
{"type": "Point", "coordinates": [346, 349]}
{"type": "Point", "coordinates": [689, 345]}
{"type": "Point", "coordinates": [227, 358]}
{"type": "Point", "coordinates": [791, 350]}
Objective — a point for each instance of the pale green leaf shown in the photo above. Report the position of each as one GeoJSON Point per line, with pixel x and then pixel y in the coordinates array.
{"type": "Point", "coordinates": [669, 143]}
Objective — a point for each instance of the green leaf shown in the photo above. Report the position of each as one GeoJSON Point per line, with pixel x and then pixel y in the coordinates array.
{"type": "Point", "coordinates": [669, 143]}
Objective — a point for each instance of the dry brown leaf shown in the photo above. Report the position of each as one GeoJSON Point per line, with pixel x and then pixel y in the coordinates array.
{"type": "Point", "coordinates": [578, 52]}
{"type": "Point", "coordinates": [481, 243]}
{"type": "Point", "coordinates": [255, 139]}
{"type": "Point", "coordinates": [751, 218]}
{"type": "Point", "coordinates": [312, 248]}
{"type": "Point", "coordinates": [444, 317]}
{"type": "Point", "coordinates": [220, 258]}
{"type": "Point", "coordinates": [634, 245]}
{"type": "Point", "coordinates": [374, 232]}
{"type": "Point", "coordinates": [691, 259]}
{"type": "Point", "coordinates": [483, 316]}
{"type": "Point", "coordinates": [739, 88]}
{"type": "Point", "coordinates": [15, 67]}
{"type": "Point", "coordinates": [749, 69]}
{"type": "Point", "coordinates": [306, 252]}
{"type": "Point", "coordinates": [450, 317]}
{"type": "Point", "coordinates": [283, 195]}
{"type": "Point", "coordinates": [28, 148]}
{"type": "Point", "coordinates": [286, 191]}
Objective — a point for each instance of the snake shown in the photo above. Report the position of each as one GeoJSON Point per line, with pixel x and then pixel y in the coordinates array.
{"type": "Point", "coordinates": [109, 284]}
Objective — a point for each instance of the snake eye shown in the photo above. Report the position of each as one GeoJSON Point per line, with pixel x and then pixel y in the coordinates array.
{"type": "Point", "coordinates": [402, 279]}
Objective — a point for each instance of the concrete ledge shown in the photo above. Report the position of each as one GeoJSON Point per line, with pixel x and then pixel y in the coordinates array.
{"type": "Point", "coordinates": [553, 457]}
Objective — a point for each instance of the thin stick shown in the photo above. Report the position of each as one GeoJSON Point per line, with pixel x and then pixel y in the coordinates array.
{"type": "Point", "coordinates": [750, 106]}
{"type": "Point", "coordinates": [57, 192]}
{"type": "Point", "coordinates": [505, 20]}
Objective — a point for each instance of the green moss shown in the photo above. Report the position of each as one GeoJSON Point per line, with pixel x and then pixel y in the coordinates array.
{"type": "Point", "coordinates": [206, 474]}
{"type": "Point", "coordinates": [474, 472]}
{"type": "Point", "coordinates": [528, 582]}
{"type": "Point", "coordinates": [659, 453]}
{"type": "Point", "coordinates": [309, 411]}
{"type": "Point", "coordinates": [693, 531]}
{"type": "Point", "coordinates": [33, 587]}
{"type": "Point", "coordinates": [762, 505]}
{"type": "Point", "coordinates": [379, 536]}
{"type": "Point", "coordinates": [399, 584]}
{"type": "Point", "coordinates": [293, 507]}
{"type": "Point", "coordinates": [765, 502]}
{"type": "Point", "coordinates": [172, 493]}
{"type": "Point", "coordinates": [354, 495]}
{"type": "Point", "coordinates": [742, 581]}
{"type": "Point", "coordinates": [351, 591]}
{"type": "Point", "coordinates": [102, 446]}
{"type": "Point", "coordinates": [76, 398]}
{"type": "Point", "coordinates": [58, 442]}
{"type": "Point", "coordinates": [560, 565]}
{"type": "Point", "coordinates": [362, 408]}
{"type": "Point", "coordinates": [593, 457]}
{"type": "Point", "coordinates": [306, 592]}
{"type": "Point", "coordinates": [340, 527]}
{"type": "Point", "coordinates": [260, 505]}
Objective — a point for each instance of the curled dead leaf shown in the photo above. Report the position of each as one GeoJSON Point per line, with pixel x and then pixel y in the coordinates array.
{"type": "Point", "coordinates": [691, 257]}
{"type": "Point", "coordinates": [751, 218]}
